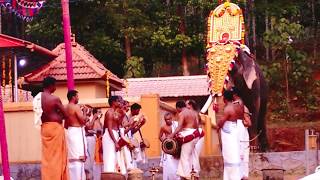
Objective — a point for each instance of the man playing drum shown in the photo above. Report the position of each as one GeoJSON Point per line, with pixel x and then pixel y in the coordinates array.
{"type": "Point", "coordinates": [188, 134]}
{"type": "Point", "coordinates": [168, 162]}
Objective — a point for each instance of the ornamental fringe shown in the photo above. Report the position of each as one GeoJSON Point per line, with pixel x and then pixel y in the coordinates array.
{"type": "Point", "coordinates": [24, 9]}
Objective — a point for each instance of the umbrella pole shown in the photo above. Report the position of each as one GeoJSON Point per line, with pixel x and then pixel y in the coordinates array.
{"type": "Point", "coordinates": [3, 143]}
{"type": "Point", "coordinates": [67, 42]}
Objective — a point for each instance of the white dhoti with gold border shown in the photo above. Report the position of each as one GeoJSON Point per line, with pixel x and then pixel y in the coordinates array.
{"type": "Point", "coordinates": [244, 149]}
{"type": "Point", "coordinates": [230, 151]}
{"type": "Point", "coordinates": [113, 161]}
{"type": "Point", "coordinates": [189, 157]}
{"type": "Point", "coordinates": [77, 148]}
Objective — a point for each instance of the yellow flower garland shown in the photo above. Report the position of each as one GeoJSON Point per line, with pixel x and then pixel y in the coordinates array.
{"type": "Point", "coordinates": [107, 84]}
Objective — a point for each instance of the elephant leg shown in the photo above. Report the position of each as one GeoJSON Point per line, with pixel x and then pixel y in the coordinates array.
{"type": "Point", "coordinates": [263, 138]}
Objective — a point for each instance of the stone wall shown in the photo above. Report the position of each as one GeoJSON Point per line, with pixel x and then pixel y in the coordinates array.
{"type": "Point", "coordinates": [294, 163]}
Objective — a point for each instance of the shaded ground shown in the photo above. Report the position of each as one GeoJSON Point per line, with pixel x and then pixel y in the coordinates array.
{"type": "Point", "coordinates": [289, 136]}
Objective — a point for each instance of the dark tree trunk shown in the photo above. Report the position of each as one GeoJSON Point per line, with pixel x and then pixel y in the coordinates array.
{"type": "Point", "coordinates": [127, 46]}
{"type": "Point", "coordinates": [182, 29]}
{"type": "Point", "coordinates": [267, 29]}
{"type": "Point", "coordinates": [254, 35]}
{"type": "Point", "coordinates": [247, 22]}
{"type": "Point", "coordinates": [314, 24]}
{"type": "Point", "coordinates": [127, 43]}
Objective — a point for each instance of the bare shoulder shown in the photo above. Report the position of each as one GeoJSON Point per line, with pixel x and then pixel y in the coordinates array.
{"type": "Point", "coordinates": [108, 113]}
{"type": "Point", "coordinates": [228, 109]}
{"type": "Point", "coordinates": [56, 99]}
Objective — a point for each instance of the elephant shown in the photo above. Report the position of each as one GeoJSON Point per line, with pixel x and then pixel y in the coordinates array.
{"type": "Point", "coordinates": [248, 78]}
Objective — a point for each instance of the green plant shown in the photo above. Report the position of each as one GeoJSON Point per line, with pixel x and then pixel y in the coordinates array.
{"type": "Point", "coordinates": [134, 67]}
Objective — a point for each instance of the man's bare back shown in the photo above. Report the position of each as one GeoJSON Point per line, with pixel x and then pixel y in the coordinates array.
{"type": "Point", "coordinates": [75, 117]}
{"type": "Point", "coordinates": [188, 118]}
{"type": "Point", "coordinates": [52, 108]}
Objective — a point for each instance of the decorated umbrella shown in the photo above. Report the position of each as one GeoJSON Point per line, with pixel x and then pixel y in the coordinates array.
{"type": "Point", "coordinates": [27, 9]}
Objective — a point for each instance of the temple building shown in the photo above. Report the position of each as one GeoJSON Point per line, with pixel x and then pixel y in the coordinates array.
{"type": "Point", "coordinates": [92, 79]}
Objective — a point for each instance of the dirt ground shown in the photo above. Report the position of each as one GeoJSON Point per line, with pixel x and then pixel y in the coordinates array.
{"type": "Point", "coordinates": [289, 136]}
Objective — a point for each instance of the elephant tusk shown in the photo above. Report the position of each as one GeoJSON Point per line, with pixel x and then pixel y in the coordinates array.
{"type": "Point", "coordinates": [206, 105]}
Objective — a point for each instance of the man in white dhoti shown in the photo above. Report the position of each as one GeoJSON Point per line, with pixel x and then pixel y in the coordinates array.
{"type": "Point", "coordinates": [191, 104]}
{"type": "Point", "coordinates": [113, 158]}
{"type": "Point", "coordinates": [91, 130]}
{"type": "Point", "coordinates": [244, 144]}
{"type": "Point", "coordinates": [168, 162]}
{"type": "Point", "coordinates": [187, 133]}
{"type": "Point", "coordinates": [130, 164]}
{"type": "Point", "coordinates": [76, 141]}
{"type": "Point", "coordinates": [230, 138]}
{"type": "Point", "coordinates": [243, 125]}
{"type": "Point", "coordinates": [136, 121]}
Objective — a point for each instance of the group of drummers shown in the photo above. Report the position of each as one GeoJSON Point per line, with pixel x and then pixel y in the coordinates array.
{"type": "Point", "coordinates": [118, 145]}
{"type": "Point", "coordinates": [76, 145]}
{"type": "Point", "coordinates": [182, 142]}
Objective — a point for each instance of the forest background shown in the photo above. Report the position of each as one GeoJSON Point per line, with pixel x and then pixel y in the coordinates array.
{"type": "Point", "coordinates": [151, 38]}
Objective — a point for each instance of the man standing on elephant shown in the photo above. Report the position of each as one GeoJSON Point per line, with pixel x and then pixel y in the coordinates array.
{"type": "Point", "coordinates": [230, 139]}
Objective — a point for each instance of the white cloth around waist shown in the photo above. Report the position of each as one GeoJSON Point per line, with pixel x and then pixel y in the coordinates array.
{"type": "Point", "coordinates": [229, 126]}
{"type": "Point", "coordinates": [76, 142]}
{"type": "Point", "coordinates": [186, 131]}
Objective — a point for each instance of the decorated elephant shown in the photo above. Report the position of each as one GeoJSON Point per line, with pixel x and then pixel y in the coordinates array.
{"type": "Point", "coordinates": [229, 62]}
{"type": "Point", "coordinates": [247, 76]}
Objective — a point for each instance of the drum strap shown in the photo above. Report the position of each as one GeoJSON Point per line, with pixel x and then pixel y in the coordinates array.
{"type": "Point", "coordinates": [190, 137]}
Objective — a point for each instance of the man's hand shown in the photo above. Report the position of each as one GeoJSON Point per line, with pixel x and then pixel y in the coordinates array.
{"type": "Point", "coordinates": [215, 126]}
{"type": "Point", "coordinates": [117, 146]}
{"type": "Point", "coordinates": [171, 136]}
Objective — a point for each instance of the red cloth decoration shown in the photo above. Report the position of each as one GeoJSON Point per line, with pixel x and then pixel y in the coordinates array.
{"type": "Point", "coordinates": [25, 9]}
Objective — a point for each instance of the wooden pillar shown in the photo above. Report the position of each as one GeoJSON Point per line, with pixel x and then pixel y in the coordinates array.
{"type": "Point", "coordinates": [151, 109]}
{"type": "Point", "coordinates": [207, 149]}
{"type": "Point", "coordinates": [215, 142]}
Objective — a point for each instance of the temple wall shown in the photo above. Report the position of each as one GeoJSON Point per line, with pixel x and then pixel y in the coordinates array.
{"type": "Point", "coordinates": [24, 142]}
{"type": "Point", "coordinates": [22, 137]}
{"type": "Point", "coordinates": [293, 163]}
{"type": "Point", "coordinates": [86, 90]}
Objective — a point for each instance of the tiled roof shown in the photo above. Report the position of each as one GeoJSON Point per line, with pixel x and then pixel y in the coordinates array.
{"type": "Point", "coordinates": [175, 86]}
{"type": "Point", "coordinates": [85, 67]}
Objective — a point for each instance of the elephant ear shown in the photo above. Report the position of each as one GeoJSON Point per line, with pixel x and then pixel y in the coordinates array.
{"type": "Point", "coordinates": [249, 70]}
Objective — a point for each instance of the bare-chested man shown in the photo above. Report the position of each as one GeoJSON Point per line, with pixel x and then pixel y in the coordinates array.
{"type": "Point", "coordinates": [191, 104]}
{"type": "Point", "coordinates": [189, 134]}
{"type": "Point", "coordinates": [77, 144]}
{"type": "Point", "coordinates": [111, 149]}
{"type": "Point", "coordinates": [92, 127]}
{"type": "Point", "coordinates": [230, 138]}
{"type": "Point", "coordinates": [244, 121]}
{"type": "Point", "coordinates": [136, 121]}
{"type": "Point", "coordinates": [54, 150]}
{"type": "Point", "coordinates": [168, 162]}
